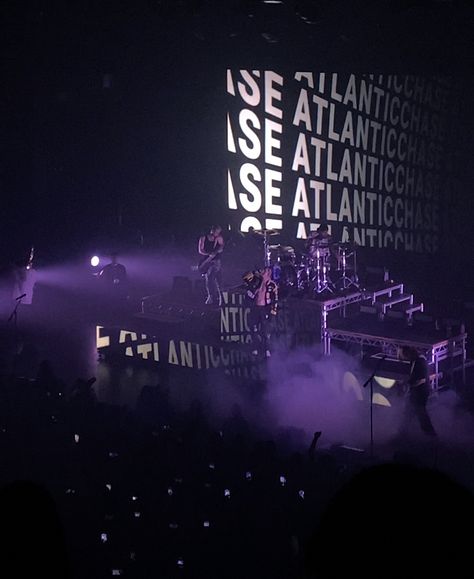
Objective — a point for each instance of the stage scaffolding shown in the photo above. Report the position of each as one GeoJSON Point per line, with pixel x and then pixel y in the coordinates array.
{"type": "Point", "coordinates": [329, 318]}
{"type": "Point", "coordinates": [451, 349]}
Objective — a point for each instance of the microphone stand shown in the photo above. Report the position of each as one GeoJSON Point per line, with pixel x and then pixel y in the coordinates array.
{"type": "Point", "coordinates": [370, 382]}
{"type": "Point", "coordinates": [14, 314]}
{"type": "Point", "coordinates": [14, 317]}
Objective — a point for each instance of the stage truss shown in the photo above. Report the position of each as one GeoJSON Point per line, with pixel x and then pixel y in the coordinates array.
{"type": "Point", "coordinates": [453, 348]}
{"type": "Point", "coordinates": [381, 340]}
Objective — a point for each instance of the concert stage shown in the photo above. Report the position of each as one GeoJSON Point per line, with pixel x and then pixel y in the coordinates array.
{"type": "Point", "coordinates": [184, 334]}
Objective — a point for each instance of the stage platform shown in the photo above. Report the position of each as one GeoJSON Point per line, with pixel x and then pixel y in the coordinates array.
{"type": "Point", "coordinates": [183, 332]}
{"type": "Point", "coordinates": [445, 354]}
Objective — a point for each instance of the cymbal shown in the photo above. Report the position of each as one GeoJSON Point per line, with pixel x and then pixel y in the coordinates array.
{"type": "Point", "coordinates": [266, 232]}
{"type": "Point", "coordinates": [322, 243]}
{"type": "Point", "coordinates": [282, 248]}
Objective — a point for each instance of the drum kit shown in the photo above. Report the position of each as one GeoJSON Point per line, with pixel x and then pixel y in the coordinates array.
{"type": "Point", "coordinates": [325, 267]}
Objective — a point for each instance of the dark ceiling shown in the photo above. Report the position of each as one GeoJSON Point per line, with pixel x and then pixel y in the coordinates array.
{"type": "Point", "coordinates": [103, 102]}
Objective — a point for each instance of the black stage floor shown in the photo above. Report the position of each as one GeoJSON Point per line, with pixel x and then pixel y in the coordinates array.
{"type": "Point", "coordinates": [65, 331]}
{"type": "Point", "coordinates": [390, 328]}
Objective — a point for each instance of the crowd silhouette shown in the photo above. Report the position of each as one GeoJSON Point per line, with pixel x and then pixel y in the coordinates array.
{"type": "Point", "coordinates": [97, 490]}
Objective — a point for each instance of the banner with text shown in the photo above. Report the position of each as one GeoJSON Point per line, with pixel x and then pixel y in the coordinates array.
{"type": "Point", "coordinates": [363, 153]}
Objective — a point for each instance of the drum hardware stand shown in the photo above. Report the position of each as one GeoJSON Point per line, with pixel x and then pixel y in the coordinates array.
{"type": "Point", "coordinates": [322, 282]}
{"type": "Point", "coordinates": [266, 233]}
{"type": "Point", "coordinates": [347, 281]}
{"type": "Point", "coordinates": [302, 283]}
{"type": "Point", "coordinates": [267, 258]}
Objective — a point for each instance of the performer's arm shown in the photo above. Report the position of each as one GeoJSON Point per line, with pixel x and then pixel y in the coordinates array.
{"type": "Point", "coordinates": [219, 248]}
{"type": "Point", "coordinates": [419, 382]}
{"type": "Point", "coordinates": [275, 299]}
{"type": "Point", "coordinates": [252, 287]}
{"type": "Point", "coordinates": [201, 246]}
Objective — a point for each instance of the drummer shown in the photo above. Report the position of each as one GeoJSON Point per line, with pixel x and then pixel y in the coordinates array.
{"type": "Point", "coordinates": [320, 239]}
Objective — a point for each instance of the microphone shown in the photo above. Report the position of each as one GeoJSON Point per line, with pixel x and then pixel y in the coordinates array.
{"type": "Point", "coordinates": [20, 297]}
{"type": "Point", "coordinates": [377, 366]}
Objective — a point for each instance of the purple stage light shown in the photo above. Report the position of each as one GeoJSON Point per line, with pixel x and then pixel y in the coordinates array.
{"type": "Point", "coordinates": [95, 260]}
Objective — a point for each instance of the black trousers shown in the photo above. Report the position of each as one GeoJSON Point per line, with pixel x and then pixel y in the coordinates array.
{"type": "Point", "coordinates": [213, 279]}
{"type": "Point", "coordinates": [416, 407]}
{"type": "Point", "coordinates": [260, 325]}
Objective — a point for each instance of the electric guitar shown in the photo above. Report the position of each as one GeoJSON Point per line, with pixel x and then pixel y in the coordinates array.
{"type": "Point", "coordinates": [204, 266]}
{"type": "Point", "coordinates": [405, 388]}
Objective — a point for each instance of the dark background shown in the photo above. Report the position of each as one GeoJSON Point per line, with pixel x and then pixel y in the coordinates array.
{"type": "Point", "coordinates": [113, 113]}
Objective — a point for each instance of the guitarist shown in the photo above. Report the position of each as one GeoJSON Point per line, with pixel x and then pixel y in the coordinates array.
{"type": "Point", "coordinates": [210, 247]}
{"type": "Point", "coordinates": [418, 389]}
